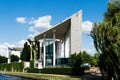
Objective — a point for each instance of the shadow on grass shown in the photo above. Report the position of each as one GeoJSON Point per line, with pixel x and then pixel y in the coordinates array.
{"type": "Point", "coordinates": [90, 76]}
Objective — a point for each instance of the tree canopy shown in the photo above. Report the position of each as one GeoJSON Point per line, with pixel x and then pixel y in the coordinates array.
{"type": "Point", "coordinates": [14, 58]}
{"type": "Point", "coordinates": [25, 54]}
{"type": "Point", "coordinates": [77, 59]}
{"type": "Point", "coordinates": [106, 36]}
{"type": "Point", "coordinates": [3, 59]}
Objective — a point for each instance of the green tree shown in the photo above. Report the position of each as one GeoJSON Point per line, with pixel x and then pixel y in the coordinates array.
{"type": "Point", "coordinates": [95, 59]}
{"type": "Point", "coordinates": [106, 36]}
{"type": "Point", "coordinates": [14, 58]}
{"type": "Point", "coordinates": [86, 58]}
{"type": "Point", "coordinates": [25, 54]}
{"type": "Point", "coordinates": [3, 59]}
{"type": "Point", "coordinates": [76, 60]}
{"type": "Point", "coordinates": [34, 49]}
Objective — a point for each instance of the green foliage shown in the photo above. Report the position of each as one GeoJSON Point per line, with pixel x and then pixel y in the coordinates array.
{"type": "Point", "coordinates": [106, 37]}
{"type": "Point", "coordinates": [25, 55]}
{"type": "Point", "coordinates": [33, 70]}
{"type": "Point", "coordinates": [14, 58]}
{"type": "Point", "coordinates": [95, 59]}
{"type": "Point", "coordinates": [75, 60]}
{"type": "Point", "coordinates": [83, 57]}
{"type": "Point", "coordinates": [86, 58]}
{"type": "Point", "coordinates": [32, 64]}
{"type": "Point", "coordinates": [63, 71]}
{"type": "Point", "coordinates": [16, 67]}
{"type": "Point", "coordinates": [3, 59]}
{"type": "Point", "coordinates": [34, 48]}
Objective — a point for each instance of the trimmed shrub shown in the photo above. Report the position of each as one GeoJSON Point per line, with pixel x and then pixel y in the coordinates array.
{"type": "Point", "coordinates": [17, 67]}
{"type": "Point", "coordinates": [63, 71]}
{"type": "Point", "coordinates": [32, 70]}
{"type": "Point", "coordinates": [32, 64]}
{"type": "Point", "coordinates": [77, 71]}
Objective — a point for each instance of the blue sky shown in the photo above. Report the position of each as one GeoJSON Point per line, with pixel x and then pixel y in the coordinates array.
{"type": "Point", "coordinates": [20, 19]}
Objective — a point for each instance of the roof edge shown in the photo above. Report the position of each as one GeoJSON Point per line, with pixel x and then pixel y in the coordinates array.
{"type": "Point", "coordinates": [80, 11]}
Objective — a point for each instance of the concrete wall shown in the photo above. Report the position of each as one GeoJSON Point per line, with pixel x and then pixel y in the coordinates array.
{"type": "Point", "coordinates": [76, 33]}
{"type": "Point", "coordinates": [67, 44]}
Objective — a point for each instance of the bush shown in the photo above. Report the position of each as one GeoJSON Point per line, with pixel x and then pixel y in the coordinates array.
{"type": "Point", "coordinates": [32, 70]}
{"type": "Point", "coordinates": [76, 60]}
{"type": "Point", "coordinates": [77, 71]}
{"type": "Point", "coordinates": [18, 67]}
{"type": "Point", "coordinates": [32, 64]}
{"type": "Point", "coordinates": [63, 71]}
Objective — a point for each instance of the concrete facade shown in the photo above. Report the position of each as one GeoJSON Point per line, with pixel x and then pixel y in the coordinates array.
{"type": "Point", "coordinates": [65, 39]}
{"type": "Point", "coordinates": [76, 32]}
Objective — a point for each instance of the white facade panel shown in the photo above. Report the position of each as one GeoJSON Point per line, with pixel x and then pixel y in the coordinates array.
{"type": "Point", "coordinates": [76, 32]}
{"type": "Point", "coordinates": [67, 45]}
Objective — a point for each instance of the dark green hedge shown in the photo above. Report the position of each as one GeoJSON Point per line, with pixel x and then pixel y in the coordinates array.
{"type": "Point", "coordinates": [63, 71]}
{"type": "Point", "coordinates": [32, 64]}
{"type": "Point", "coordinates": [17, 67]}
{"type": "Point", "coordinates": [32, 70]}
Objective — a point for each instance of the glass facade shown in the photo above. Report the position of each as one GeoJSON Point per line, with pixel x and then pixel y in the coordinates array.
{"type": "Point", "coordinates": [62, 61]}
{"type": "Point", "coordinates": [49, 52]}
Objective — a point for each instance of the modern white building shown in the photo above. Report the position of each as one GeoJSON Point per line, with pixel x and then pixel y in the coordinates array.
{"type": "Point", "coordinates": [14, 51]}
{"type": "Point", "coordinates": [59, 42]}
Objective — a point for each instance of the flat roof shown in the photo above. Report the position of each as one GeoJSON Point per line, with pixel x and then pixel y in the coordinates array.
{"type": "Point", "coordinates": [15, 48]}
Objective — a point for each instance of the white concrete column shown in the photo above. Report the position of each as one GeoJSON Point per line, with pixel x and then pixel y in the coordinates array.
{"type": "Point", "coordinates": [40, 50]}
{"type": "Point", "coordinates": [54, 56]}
{"type": "Point", "coordinates": [44, 52]}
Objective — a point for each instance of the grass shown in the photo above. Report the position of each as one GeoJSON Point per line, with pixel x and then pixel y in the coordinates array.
{"type": "Point", "coordinates": [44, 76]}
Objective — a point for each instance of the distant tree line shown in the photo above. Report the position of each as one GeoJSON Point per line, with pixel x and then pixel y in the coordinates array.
{"type": "Point", "coordinates": [14, 58]}
{"type": "Point", "coordinates": [77, 59]}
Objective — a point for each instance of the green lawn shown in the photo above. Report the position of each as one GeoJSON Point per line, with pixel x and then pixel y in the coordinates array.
{"type": "Point", "coordinates": [45, 76]}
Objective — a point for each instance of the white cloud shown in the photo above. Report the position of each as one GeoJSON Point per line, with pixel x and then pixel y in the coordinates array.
{"type": "Point", "coordinates": [31, 36]}
{"type": "Point", "coordinates": [21, 43]}
{"type": "Point", "coordinates": [87, 26]}
{"type": "Point", "coordinates": [41, 22]}
{"type": "Point", "coordinates": [21, 19]}
{"type": "Point", "coordinates": [89, 51]}
{"type": "Point", "coordinates": [4, 47]}
{"type": "Point", "coordinates": [36, 25]}
{"type": "Point", "coordinates": [32, 29]}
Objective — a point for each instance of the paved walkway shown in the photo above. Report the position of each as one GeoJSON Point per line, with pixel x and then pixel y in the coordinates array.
{"type": "Point", "coordinates": [90, 76]}
{"type": "Point", "coordinates": [93, 74]}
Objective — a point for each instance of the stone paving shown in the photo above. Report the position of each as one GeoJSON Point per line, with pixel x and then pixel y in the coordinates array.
{"type": "Point", "coordinates": [93, 74]}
